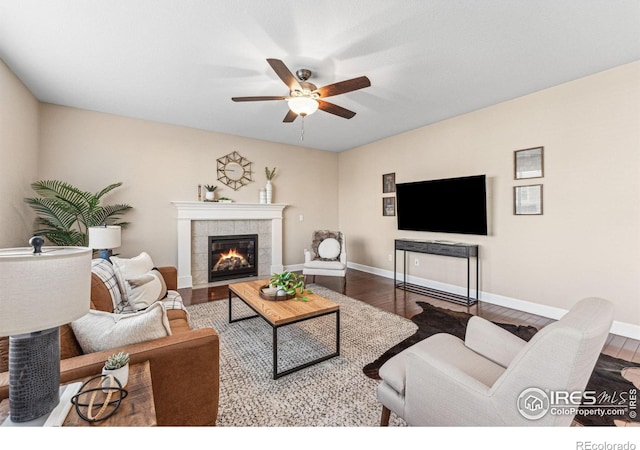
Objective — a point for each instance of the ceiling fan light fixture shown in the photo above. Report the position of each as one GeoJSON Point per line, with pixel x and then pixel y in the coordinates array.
{"type": "Point", "coordinates": [303, 106]}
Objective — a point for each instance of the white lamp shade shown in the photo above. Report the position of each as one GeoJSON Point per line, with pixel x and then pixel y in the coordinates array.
{"type": "Point", "coordinates": [105, 237]}
{"type": "Point", "coordinates": [303, 105]}
{"type": "Point", "coordinates": [42, 291]}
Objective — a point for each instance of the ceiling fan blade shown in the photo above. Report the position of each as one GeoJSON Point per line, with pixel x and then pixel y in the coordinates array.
{"type": "Point", "coordinates": [290, 117]}
{"type": "Point", "coordinates": [285, 74]}
{"type": "Point", "coordinates": [256, 99]}
{"type": "Point", "coordinates": [344, 86]}
{"type": "Point", "coordinates": [335, 109]}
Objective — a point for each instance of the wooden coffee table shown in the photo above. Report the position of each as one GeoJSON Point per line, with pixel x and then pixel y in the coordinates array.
{"type": "Point", "coordinates": [280, 313]}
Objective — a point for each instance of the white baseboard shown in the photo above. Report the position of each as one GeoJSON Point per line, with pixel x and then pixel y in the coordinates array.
{"type": "Point", "coordinates": [619, 328]}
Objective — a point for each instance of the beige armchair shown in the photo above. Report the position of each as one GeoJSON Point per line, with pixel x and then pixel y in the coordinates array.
{"type": "Point", "coordinates": [327, 257]}
{"type": "Point", "coordinates": [444, 381]}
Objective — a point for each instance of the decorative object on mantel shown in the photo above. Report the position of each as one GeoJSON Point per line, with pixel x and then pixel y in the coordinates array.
{"type": "Point", "coordinates": [263, 196]}
{"type": "Point", "coordinates": [210, 194]}
{"type": "Point", "coordinates": [199, 192]}
{"type": "Point", "coordinates": [117, 365]}
{"type": "Point", "coordinates": [269, 188]}
{"type": "Point", "coordinates": [225, 200]}
{"type": "Point", "coordinates": [234, 170]}
{"type": "Point", "coordinates": [289, 284]}
{"type": "Point", "coordinates": [42, 288]}
{"type": "Point", "coordinates": [65, 212]}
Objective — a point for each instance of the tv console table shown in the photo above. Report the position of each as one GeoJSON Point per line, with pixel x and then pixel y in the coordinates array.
{"type": "Point", "coordinates": [453, 249]}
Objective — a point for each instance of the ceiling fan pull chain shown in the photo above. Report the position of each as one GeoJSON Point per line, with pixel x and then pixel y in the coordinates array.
{"type": "Point", "coordinates": [302, 129]}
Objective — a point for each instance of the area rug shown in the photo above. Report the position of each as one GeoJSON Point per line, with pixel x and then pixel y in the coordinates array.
{"type": "Point", "coordinates": [606, 378]}
{"type": "Point", "coordinates": [334, 393]}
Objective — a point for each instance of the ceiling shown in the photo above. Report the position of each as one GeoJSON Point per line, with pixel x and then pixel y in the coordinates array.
{"type": "Point", "coordinates": [181, 61]}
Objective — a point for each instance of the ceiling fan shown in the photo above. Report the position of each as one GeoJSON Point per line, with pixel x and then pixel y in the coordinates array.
{"type": "Point", "coordinates": [304, 97]}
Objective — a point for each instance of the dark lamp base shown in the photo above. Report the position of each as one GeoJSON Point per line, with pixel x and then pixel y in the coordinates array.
{"type": "Point", "coordinates": [34, 374]}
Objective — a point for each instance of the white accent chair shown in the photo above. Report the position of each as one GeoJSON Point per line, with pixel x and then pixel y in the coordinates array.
{"type": "Point", "coordinates": [444, 381]}
{"type": "Point", "coordinates": [327, 257]}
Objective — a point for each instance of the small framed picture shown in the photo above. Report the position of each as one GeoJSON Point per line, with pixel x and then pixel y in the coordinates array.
{"type": "Point", "coordinates": [527, 200]}
{"type": "Point", "coordinates": [389, 206]}
{"type": "Point", "coordinates": [529, 163]}
{"type": "Point", "coordinates": [388, 183]}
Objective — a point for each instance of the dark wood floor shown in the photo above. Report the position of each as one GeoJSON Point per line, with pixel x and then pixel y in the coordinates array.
{"type": "Point", "coordinates": [372, 289]}
{"type": "Point", "coordinates": [379, 292]}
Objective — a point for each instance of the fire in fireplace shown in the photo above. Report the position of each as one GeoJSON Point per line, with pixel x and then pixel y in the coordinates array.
{"type": "Point", "coordinates": [233, 257]}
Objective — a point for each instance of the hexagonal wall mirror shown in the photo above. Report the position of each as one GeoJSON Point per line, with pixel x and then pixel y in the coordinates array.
{"type": "Point", "coordinates": [234, 170]}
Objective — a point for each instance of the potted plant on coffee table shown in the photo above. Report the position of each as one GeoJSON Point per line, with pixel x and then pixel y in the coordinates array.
{"type": "Point", "coordinates": [291, 285]}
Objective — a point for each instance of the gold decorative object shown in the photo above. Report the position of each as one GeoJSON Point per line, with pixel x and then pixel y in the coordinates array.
{"type": "Point", "coordinates": [234, 170]}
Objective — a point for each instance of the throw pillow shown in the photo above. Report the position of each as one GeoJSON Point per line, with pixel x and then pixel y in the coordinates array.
{"type": "Point", "coordinates": [329, 249]}
{"type": "Point", "coordinates": [321, 235]}
{"type": "Point", "coordinates": [126, 268]}
{"type": "Point", "coordinates": [99, 330]}
{"type": "Point", "coordinates": [106, 272]}
{"type": "Point", "coordinates": [146, 289]}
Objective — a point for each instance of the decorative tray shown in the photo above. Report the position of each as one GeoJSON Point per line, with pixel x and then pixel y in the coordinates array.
{"type": "Point", "coordinates": [273, 297]}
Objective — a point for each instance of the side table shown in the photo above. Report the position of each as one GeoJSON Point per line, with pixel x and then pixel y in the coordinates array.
{"type": "Point", "coordinates": [136, 410]}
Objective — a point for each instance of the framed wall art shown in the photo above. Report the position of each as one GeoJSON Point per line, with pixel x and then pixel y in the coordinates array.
{"type": "Point", "coordinates": [527, 200]}
{"type": "Point", "coordinates": [389, 206]}
{"type": "Point", "coordinates": [529, 163]}
{"type": "Point", "coordinates": [388, 183]}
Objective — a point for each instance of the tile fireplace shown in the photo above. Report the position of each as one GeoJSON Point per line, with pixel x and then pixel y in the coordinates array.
{"type": "Point", "coordinates": [196, 221]}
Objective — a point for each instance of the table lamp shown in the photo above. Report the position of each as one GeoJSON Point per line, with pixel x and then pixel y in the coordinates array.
{"type": "Point", "coordinates": [105, 238]}
{"type": "Point", "coordinates": [41, 289]}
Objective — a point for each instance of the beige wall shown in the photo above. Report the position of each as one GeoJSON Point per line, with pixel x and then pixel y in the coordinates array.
{"type": "Point", "coordinates": [161, 163]}
{"type": "Point", "coordinates": [18, 158]}
{"type": "Point", "coordinates": [587, 243]}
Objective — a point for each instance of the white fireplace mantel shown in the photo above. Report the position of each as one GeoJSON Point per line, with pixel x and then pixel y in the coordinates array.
{"type": "Point", "coordinates": [189, 211]}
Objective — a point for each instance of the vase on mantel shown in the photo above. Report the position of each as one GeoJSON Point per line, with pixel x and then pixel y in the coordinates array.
{"type": "Point", "coordinates": [269, 191]}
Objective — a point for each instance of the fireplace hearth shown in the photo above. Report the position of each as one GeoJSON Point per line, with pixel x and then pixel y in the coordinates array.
{"type": "Point", "coordinates": [234, 256]}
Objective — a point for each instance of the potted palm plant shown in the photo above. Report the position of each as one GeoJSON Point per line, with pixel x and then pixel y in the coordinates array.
{"type": "Point", "coordinates": [65, 212]}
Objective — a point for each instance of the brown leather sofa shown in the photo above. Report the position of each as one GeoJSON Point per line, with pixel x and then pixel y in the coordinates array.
{"type": "Point", "coordinates": [185, 367]}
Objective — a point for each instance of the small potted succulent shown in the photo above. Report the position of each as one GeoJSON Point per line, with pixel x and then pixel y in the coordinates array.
{"type": "Point", "coordinates": [290, 284]}
{"type": "Point", "coordinates": [210, 194]}
{"type": "Point", "coordinates": [118, 366]}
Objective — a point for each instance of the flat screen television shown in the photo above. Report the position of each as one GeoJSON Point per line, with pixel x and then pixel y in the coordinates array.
{"type": "Point", "coordinates": [452, 205]}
